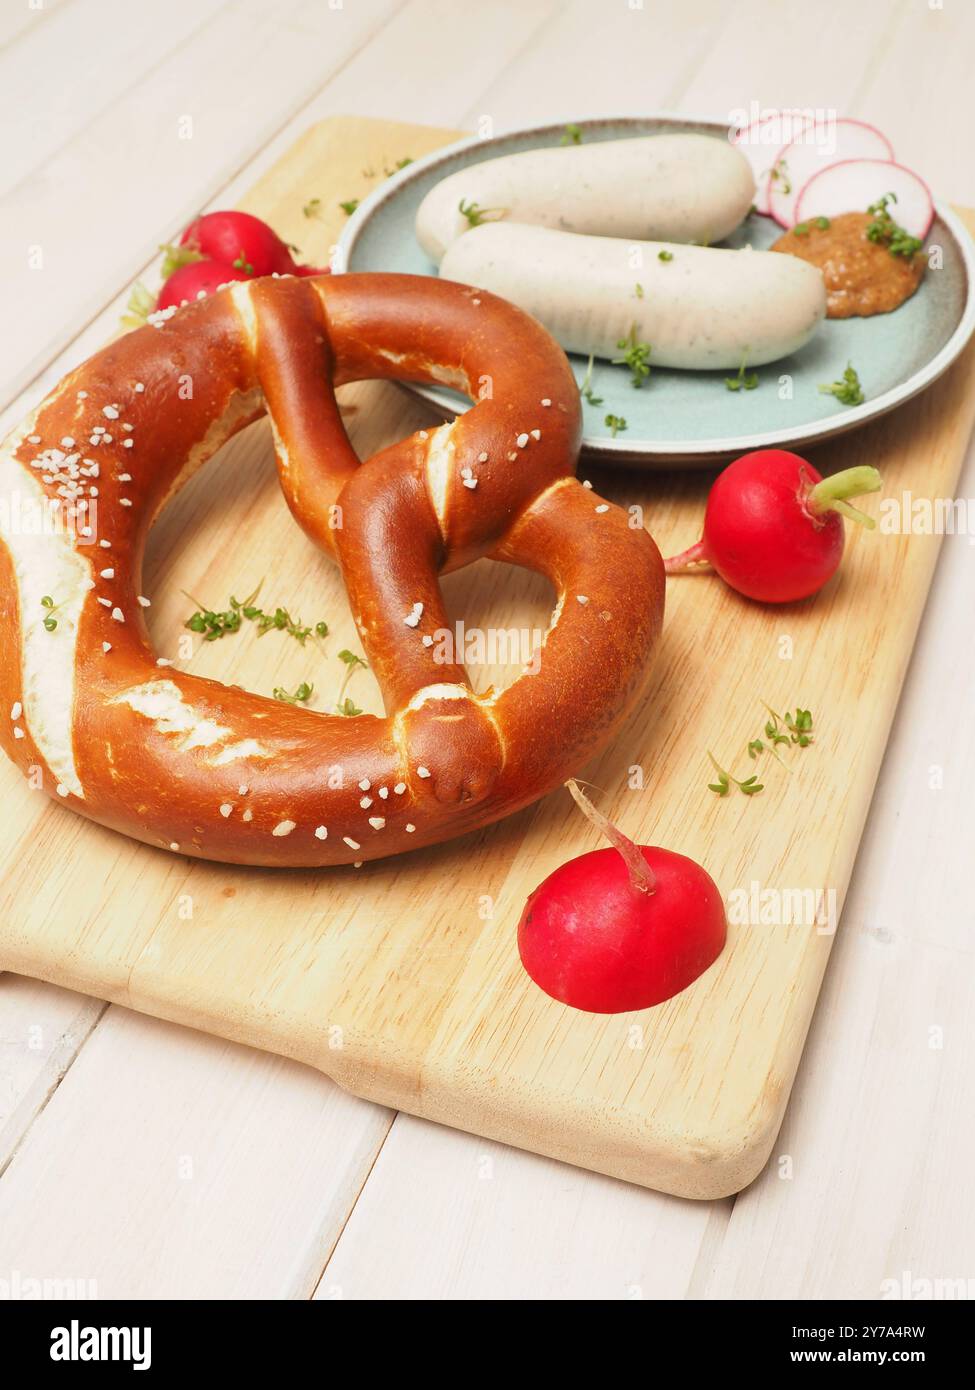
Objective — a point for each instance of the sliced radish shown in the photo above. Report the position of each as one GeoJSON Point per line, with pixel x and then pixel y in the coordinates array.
{"type": "Point", "coordinates": [853, 184]}
{"type": "Point", "coordinates": [760, 142]}
{"type": "Point", "coordinates": [815, 149]}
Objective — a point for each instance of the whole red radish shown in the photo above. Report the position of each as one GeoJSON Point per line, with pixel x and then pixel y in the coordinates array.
{"type": "Point", "coordinates": [189, 281]}
{"type": "Point", "coordinates": [773, 527]}
{"type": "Point", "coordinates": [245, 242]}
{"type": "Point", "coordinates": [621, 929]}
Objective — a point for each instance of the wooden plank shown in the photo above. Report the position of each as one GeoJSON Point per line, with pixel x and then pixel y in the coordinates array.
{"type": "Point", "coordinates": [490, 1222]}
{"type": "Point", "coordinates": [158, 1172]}
{"type": "Point", "coordinates": [112, 33]}
{"type": "Point", "coordinates": [870, 1174]}
{"type": "Point", "coordinates": [98, 214]}
{"type": "Point", "coordinates": [18, 20]}
{"type": "Point", "coordinates": [921, 68]}
{"type": "Point", "coordinates": [493, 41]}
{"type": "Point", "coordinates": [41, 1029]}
{"type": "Point", "coordinates": [878, 1180]}
{"type": "Point", "coordinates": [929, 888]}
{"type": "Point", "coordinates": [647, 66]}
{"type": "Point", "coordinates": [433, 1010]}
{"type": "Point", "coordinates": [791, 60]}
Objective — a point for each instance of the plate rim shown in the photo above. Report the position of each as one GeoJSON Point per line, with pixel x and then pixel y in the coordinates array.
{"type": "Point", "coordinates": [656, 451]}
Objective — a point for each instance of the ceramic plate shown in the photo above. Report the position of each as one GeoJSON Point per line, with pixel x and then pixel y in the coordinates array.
{"type": "Point", "coordinates": [691, 416]}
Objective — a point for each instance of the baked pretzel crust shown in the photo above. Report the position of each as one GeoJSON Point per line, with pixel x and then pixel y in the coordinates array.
{"type": "Point", "coordinates": [204, 769]}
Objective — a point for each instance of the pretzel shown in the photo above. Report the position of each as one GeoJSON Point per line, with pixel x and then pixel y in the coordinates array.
{"type": "Point", "coordinates": [179, 762]}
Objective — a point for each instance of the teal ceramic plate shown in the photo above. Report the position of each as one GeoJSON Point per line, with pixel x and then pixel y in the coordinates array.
{"type": "Point", "coordinates": [691, 416]}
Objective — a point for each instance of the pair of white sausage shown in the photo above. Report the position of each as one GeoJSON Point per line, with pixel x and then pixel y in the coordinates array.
{"type": "Point", "coordinates": [574, 236]}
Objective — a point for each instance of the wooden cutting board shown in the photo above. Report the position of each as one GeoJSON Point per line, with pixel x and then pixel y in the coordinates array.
{"type": "Point", "coordinates": [402, 980]}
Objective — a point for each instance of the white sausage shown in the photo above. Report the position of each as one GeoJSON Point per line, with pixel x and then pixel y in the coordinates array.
{"type": "Point", "coordinates": [704, 307]}
{"type": "Point", "coordinates": [675, 187]}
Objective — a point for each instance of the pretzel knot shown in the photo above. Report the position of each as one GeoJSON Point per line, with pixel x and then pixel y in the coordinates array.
{"type": "Point", "coordinates": [205, 769]}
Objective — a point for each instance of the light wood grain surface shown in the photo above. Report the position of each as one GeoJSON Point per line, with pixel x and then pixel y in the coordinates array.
{"type": "Point", "coordinates": [872, 1183]}
{"type": "Point", "coordinates": [403, 983]}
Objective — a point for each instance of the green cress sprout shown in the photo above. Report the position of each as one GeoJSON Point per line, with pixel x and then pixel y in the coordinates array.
{"type": "Point", "coordinates": [848, 391]}
{"type": "Point", "coordinates": [636, 356]}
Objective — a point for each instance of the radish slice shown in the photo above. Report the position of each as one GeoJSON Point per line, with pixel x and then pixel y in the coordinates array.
{"type": "Point", "coordinates": [761, 141]}
{"type": "Point", "coordinates": [815, 149]}
{"type": "Point", "coordinates": [853, 184]}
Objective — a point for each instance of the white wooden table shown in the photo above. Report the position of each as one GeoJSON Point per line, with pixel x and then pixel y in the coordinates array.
{"type": "Point", "coordinates": [158, 1162]}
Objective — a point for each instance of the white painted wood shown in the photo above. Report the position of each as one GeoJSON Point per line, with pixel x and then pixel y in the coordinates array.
{"type": "Point", "coordinates": [645, 61]}
{"type": "Point", "coordinates": [41, 1031]}
{"type": "Point", "coordinates": [879, 1134]}
{"type": "Point", "coordinates": [133, 174]}
{"type": "Point", "coordinates": [879, 1122]}
{"type": "Point", "coordinates": [174, 1165]}
{"type": "Point", "coordinates": [54, 96]}
{"type": "Point", "coordinates": [20, 17]}
{"type": "Point", "coordinates": [446, 1215]}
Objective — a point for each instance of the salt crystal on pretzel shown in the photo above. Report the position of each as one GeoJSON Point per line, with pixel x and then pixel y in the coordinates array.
{"type": "Point", "coordinates": [162, 755]}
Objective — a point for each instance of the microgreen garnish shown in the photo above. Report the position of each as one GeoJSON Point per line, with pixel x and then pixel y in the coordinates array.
{"type": "Point", "coordinates": [750, 786]}
{"type": "Point", "coordinates": [349, 206]}
{"type": "Point", "coordinates": [242, 263]}
{"type": "Point", "coordinates": [210, 624]}
{"type": "Point", "coordinates": [801, 229]}
{"type": "Point", "coordinates": [175, 257]}
{"type": "Point", "coordinates": [142, 303]}
{"type": "Point", "coordinates": [572, 135]}
{"type": "Point", "coordinates": [585, 390]}
{"type": "Point", "coordinates": [744, 381]}
{"type": "Point", "coordinates": [475, 214]}
{"type": "Point", "coordinates": [312, 208]}
{"type": "Point", "coordinates": [301, 696]}
{"type": "Point", "coordinates": [400, 164]}
{"type": "Point", "coordinates": [665, 255]}
{"type": "Point", "coordinates": [789, 729]}
{"type": "Point", "coordinates": [636, 356]}
{"type": "Point", "coordinates": [799, 725]}
{"type": "Point", "coordinates": [50, 622]}
{"type": "Point", "coordinates": [822, 223]}
{"type": "Point", "coordinates": [638, 290]}
{"type": "Point", "coordinates": [214, 625]}
{"type": "Point", "coordinates": [343, 704]}
{"type": "Point", "coordinates": [615, 423]}
{"type": "Point", "coordinates": [848, 391]}
{"type": "Point", "coordinates": [885, 230]}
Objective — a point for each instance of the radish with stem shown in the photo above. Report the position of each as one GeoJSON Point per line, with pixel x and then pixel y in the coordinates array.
{"type": "Point", "coordinates": [623, 928]}
{"type": "Point", "coordinates": [773, 526]}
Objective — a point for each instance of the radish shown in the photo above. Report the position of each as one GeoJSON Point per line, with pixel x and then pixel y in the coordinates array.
{"type": "Point", "coordinates": [815, 149]}
{"type": "Point", "coordinates": [623, 928]}
{"type": "Point", "coordinates": [773, 526]}
{"type": "Point", "coordinates": [760, 142]}
{"type": "Point", "coordinates": [853, 185]}
{"type": "Point", "coordinates": [196, 277]}
{"type": "Point", "coordinates": [245, 242]}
